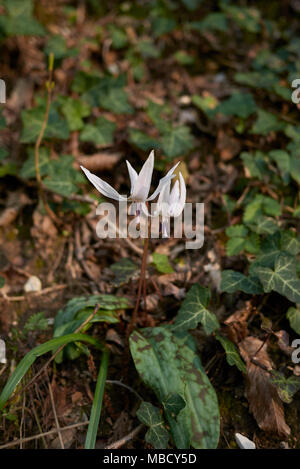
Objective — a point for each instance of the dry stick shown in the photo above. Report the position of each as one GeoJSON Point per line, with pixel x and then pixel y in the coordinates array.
{"type": "Point", "coordinates": [49, 86]}
{"type": "Point", "coordinates": [42, 435]}
{"type": "Point", "coordinates": [55, 415]}
{"type": "Point", "coordinates": [59, 350]}
{"type": "Point", "coordinates": [125, 439]}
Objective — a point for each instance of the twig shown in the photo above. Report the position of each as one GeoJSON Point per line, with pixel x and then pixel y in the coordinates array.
{"type": "Point", "coordinates": [119, 383]}
{"type": "Point", "coordinates": [55, 415]}
{"type": "Point", "coordinates": [125, 439]}
{"type": "Point", "coordinates": [41, 435]}
{"type": "Point", "coordinates": [34, 294]}
{"type": "Point", "coordinates": [49, 86]}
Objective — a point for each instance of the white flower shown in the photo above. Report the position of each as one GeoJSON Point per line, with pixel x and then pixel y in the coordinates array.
{"type": "Point", "coordinates": [140, 185]}
{"type": "Point", "coordinates": [171, 202]}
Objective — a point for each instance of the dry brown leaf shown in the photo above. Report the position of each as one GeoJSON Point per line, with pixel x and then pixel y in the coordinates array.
{"type": "Point", "coordinates": [228, 146]}
{"type": "Point", "coordinates": [98, 161]}
{"type": "Point", "coordinates": [262, 395]}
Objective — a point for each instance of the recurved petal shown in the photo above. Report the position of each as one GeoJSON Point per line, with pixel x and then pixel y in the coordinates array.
{"type": "Point", "coordinates": [163, 181]}
{"type": "Point", "coordinates": [103, 187]}
{"type": "Point", "coordinates": [143, 182]}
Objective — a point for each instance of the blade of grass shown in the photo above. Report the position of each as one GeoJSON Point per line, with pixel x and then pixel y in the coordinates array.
{"type": "Point", "coordinates": [97, 403]}
{"type": "Point", "coordinates": [30, 357]}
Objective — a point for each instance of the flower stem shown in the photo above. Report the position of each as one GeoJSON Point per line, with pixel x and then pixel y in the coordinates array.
{"type": "Point", "coordinates": [142, 281]}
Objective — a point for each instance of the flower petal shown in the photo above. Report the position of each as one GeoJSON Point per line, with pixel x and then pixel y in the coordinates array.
{"type": "Point", "coordinates": [179, 206]}
{"type": "Point", "coordinates": [103, 187]}
{"type": "Point", "coordinates": [133, 176]}
{"type": "Point", "coordinates": [142, 184]}
{"type": "Point", "coordinates": [163, 181]}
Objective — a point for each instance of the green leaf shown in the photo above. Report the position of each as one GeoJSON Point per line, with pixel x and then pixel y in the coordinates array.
{"type": "Point", "coordinates": [255, 164]}
{"type": "Point", "coordinates": [286, 387]}
{"type": "Point", "coordinates": [124, 270]}
{"type": "Point", "coordinates": [173, 404]}
{"type": "Point", "coordinates": [116, 100]}
{"type": "Point", "coordinates": [31, 356]}
{"type": "Point", "coordinates": [157, 435]}
{"type": "Point", "coordinates": [28, 168]}
{"type": "Point", "coordinates": [57, 45]}
{"type": "Point", "coordinates": [74, 111]}
{"type": "Point", "coordinates": [142, 140]}
{"type": "Point", "coordinates": [2, 281]}
{"type": "Point", "coordinates": [33, 119]}
{"type": "Point", "coordinates": [178, 141]}
{"type": "Point", "coordinates": [235, 245]}
{"type": "Point", "coordinates": [282, 279]}
{"type": "Point", "coordinates": [266, 122]}
{"type": "Point", "coordinates": [236, 231]}
{"type": "Point", "coordinates": [192, 5]}
{"type": "Point", "coordinates": [207, 104]}
{"type": "Point", "coordinates": [282, 159]}
{"type": "Point", "coordinates": [101, 133]}
{"type": "Point", "coordinates": [161, 263]}
{"type": "Point", "coordinates": [36, 322]}
{"type": "Point", "coordinates": [19, 19]}
{"type": "Point", "coordinates": [293, 316]}
{"type": "Point", "coordinates": [233, 281]}
{"type": "Point", "coordinates": [295, 168]}
{"type": "Point", "coordinates": [246, 18]}
{"type": "Point", "coordinates": [118, 37]}
{"type": "Point", "coordinates": [257, 79]}
{"type": "Point", "coordinates": [212, 21]}
{"type": "Point", "coordinates": [91, 435]}
{"type": "Point", "coordinates": [162, 25]}
{"type": "Point", "coordinates": [239, 104]}
{"type": "Point", "coordinates": [194, 310]}
{"type": "Point", "coordinates": [148, 49]}
{"type": "Point", "coordinates": [168, 363]}
{"type": "Point", "coordinates": [232, 355]}
{"type": "Point", "coordinates": [61, 176]}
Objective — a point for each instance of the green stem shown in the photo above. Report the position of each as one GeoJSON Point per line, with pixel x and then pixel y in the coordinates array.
{"type": "Point", "coordinates": [97, 403]}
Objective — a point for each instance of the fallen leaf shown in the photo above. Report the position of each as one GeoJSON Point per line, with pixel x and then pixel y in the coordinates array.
{"type": "Point", "coordinates": [262, 395]}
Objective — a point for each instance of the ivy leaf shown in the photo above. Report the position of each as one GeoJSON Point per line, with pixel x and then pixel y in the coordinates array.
{"type": "Point", "coordinates": [239, 104]}
{"type": "Point", "coordinates": [74, 111]}
{"type": "Point", "coordinates": [266, 122]}
{"type": "Point", "coordinates": [293, 316]}
{"type": "Point", "coordinates": [142, 140]}
{"type": "Point", "coordinates": [208, 104]}
{"type": "Point", "coordinates": [282, 159]}
{"type": "Point", "coordinates": [61, 176]}
{"type": "Point", "coordinates": [101, 133]}
{"type": "Point", "coordinates": [257, 79]}
{"type": "Point", "coordinates": [233, 281]}
{"type": "Point", "coordinates": [57, 45]}
{"type": "Point", "coordinates": [32, 119]}
{"type": "Point", "coordinates": [194, 310]}
{"type": "Point", "coordinates": [157, 435]}
{"type": "Point", "coordinates": [177, 141]}
{"type": "Point", "coordinates": [232, 355]}
{"type": "Point", "coordinates": [212, 21]}
{"type": "Point", "coordinates": [19, 19]}
{"type": "Point", "coordinates": [235, 245]}
{"type": "Point", "coordinates": [286, 387]}
{"type": "Point", "coordinates": [162, 25]}
{"type": "Point", "coordinates": [255, 164]}
{"type": "Point", "coordinates": [123, 270]}
{"type": "Point", "coordinates": [28, 168]}
{"type": "Point", "coordinates": [282, 279]}
{"type": "Point", "coordinates": [161, 263]}
{"type": "Point", "coordinates": [116, 100]}
{"type": "Point", "coordinates": [192, 4]}
{"type": "Point", "coordinates": [173, 404]}
{"type": "Point", "coordinates": [246, 18]}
